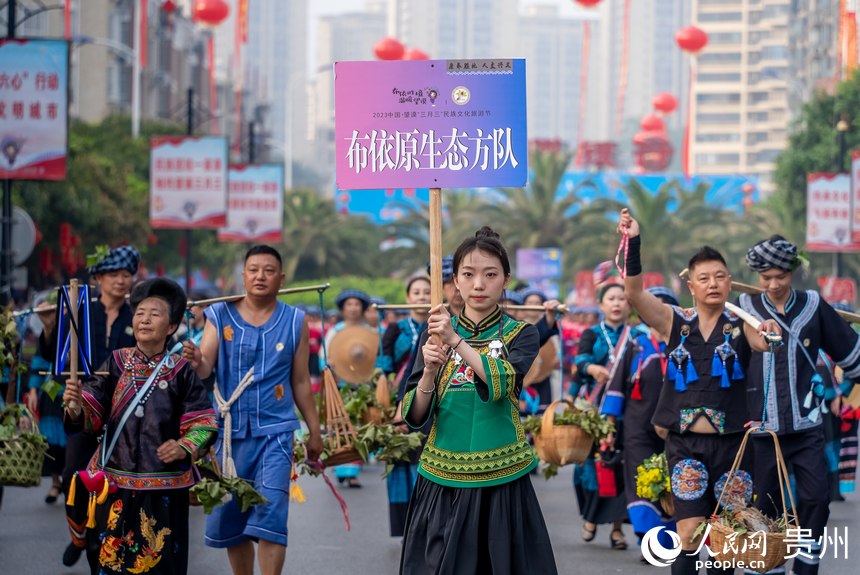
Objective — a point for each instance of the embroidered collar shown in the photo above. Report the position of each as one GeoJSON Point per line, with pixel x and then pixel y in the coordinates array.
{"type": "Point", "coordinates": [491, 321]}
{"type": "Point", "coordinates": [771, 307]}
{"type": "Point", "coordinates": [143, 358]}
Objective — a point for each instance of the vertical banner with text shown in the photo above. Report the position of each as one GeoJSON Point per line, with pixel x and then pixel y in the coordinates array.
{"type": "Point", "coordinates": [855, 195]}
{"type": "Point", "coordinates": [828, 213]}
{"type": "Point", "coordinates": [34, 102]}
{"type": "Point", "coordinates": [255, 204]}
{"type": "Point", "coordinates": [188, 182]}
{"type": "Point", "coordinates": [430, 124]}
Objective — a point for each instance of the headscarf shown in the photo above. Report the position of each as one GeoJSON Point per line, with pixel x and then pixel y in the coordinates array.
{"type": "Point", "coordinates": [776, 252]}
{"type": "Point", "coordinates": [119, 258]}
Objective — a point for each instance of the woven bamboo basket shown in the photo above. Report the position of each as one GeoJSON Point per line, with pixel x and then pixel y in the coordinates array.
{"type": "Point", "coordinates": [776, 548]}
{"type": "Point", "coordinates": [561, 444]}
{"type": "Point", "coordinates": [21, 460]}
{"type": "Point", "coordinates": [667, 503]}
{"type": "Point", "coordinates": [338, 426]}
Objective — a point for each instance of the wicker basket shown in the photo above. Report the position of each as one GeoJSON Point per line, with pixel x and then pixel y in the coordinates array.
{"type": "Point", "coordinates": [775, 552]}
{"type": "Point", "coordinates": [21, 460]}
{"type": "Point", "coordinates": [667, 503]}
{"type": "Point", "coordinates": [340, 430]}
{"type": "Point", "coordinates": [341, 455]}
{"type": "Point", "coordinates": [561, 444]}
{"type": "Point", "coordinates": [776, 548]}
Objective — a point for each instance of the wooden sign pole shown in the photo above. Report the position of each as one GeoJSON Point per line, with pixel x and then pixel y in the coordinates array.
{"type": "Point", "coordinates": [436, 295]}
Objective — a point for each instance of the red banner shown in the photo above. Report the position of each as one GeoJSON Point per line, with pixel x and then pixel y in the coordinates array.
{"type": "Point", "coordinates": [143, 16]}
{"type": "Point", "coordinates": [837, 290]}
{"type": "Point", "coordinates": [585, 293]}
{"type": "Point", "coordinates": [33, 109]}
{"type": "Point", "coordinates": [243, 20]}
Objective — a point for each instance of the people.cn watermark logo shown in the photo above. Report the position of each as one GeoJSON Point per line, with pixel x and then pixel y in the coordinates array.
{"type": "Point", "coordinates": [654, 552]}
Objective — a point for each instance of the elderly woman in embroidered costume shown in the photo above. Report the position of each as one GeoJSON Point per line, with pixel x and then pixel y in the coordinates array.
{"type": "Point", "coordinates": [599, 348]}
{"type": "Point", "coordinates": [793, 401]}
{"type": "Point", "coordinates": [474, 510]}
{"type": "Point", "coordinates": [703, 403]}
{"type": "Point", "coordinates": [156, 417]}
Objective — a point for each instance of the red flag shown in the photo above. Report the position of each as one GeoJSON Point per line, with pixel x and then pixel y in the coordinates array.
{"type": "Point", "coordinates": [67, 25]}
{"type": "Point", "coordinates": [243, 20]}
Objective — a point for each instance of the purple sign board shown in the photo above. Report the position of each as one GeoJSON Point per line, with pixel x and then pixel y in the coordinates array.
{"type": "Point", "coordinates": [430, 124]}
{"type": "Point", "coordinates": [538, 263]}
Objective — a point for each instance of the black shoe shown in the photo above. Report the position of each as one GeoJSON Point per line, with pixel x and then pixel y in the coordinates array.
{"type": "Point", "coordinates": [71, 555]}
{"type": "Point", "coordinates": [53, 495]}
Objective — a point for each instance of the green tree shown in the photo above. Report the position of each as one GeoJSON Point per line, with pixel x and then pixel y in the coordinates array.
{"type": "Point", "coordinates": [813, 146]}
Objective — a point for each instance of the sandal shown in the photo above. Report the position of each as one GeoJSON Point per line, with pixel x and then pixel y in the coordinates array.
{"type": "Point", "coordinates": [53, 494]}
{"type": "Point", "coordinates": [618, 543]}
{"type": "Point", "coordinates": [588, 534]}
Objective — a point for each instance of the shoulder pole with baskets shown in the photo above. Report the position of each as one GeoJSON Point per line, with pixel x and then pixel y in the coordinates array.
{"type": "Point", "coordinates": [775, 546]}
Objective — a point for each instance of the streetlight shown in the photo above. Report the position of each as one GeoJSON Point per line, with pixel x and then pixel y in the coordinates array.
{"type": "Point", "coordinates": [127, 54]}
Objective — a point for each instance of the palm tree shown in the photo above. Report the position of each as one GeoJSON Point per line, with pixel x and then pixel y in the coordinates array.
{"type": "Point", "coordinates": [318, 241]}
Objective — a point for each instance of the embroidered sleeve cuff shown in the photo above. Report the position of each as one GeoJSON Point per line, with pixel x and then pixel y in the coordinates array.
{"type": "Point", "coordinates": [408, 417]}
{"type": "Point", "coordinates": [197, 440]}
{"type": "Point", "coordinates": [93, 415]}
{"type": "Point", "coordinates": [501, 378]}
{"type": "Point", "coordinates": [613, 404]}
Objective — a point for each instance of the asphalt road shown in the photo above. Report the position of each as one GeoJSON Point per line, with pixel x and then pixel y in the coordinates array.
{"type": "Point", "coordinates": [33, 534]}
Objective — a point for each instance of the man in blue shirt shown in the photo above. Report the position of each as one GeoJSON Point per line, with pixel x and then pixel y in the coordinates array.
{"type": "Point", "coordinates": [258, 349]}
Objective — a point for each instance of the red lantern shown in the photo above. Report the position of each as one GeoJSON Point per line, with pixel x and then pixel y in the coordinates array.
{"type": "Point", "coordinates": [389, 49]}
{"type": "Point", "coordinates": [65, 235]}
{"type": "Point", "coordinates": [45, 262]}
{"type": "Point", "coordinates": [168, 6]}
{"type": "Point", "coordinates": [747, 189]}
{"type": "Point", "coordinates": [691, 39]}
{"type": "Point", "coordinates": [415, 54]}
{"type": "Point", "coordinates": [210, 12]}
{"type": "Point", "coordinates": [665, 102]}
{"type": "Point", "coordinates": [652, 123]}
{"type": "Point", "coordinates": [588, 3]}
{"type": "Point", "coordinates": [152, 239]}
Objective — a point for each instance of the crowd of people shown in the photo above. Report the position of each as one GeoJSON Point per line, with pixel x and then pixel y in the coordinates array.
{"type": "Point", "coordinates": [239, 379]}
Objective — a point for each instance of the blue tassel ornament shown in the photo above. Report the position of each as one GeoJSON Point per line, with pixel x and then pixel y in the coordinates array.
{"type": "Point", "coordinates": [671, 370]}
{"type": "Point", "coordinates": [737, 371]}
{"type": "Point", "coordinates": [680, 384]}
{"type": "Point", "coordinates": [691, 370]}
{"type": "Point", "coordinates": [717, 366]}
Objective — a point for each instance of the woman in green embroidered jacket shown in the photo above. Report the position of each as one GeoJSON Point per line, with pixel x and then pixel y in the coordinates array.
{"type": "Point", "coordinates": [474, 509]}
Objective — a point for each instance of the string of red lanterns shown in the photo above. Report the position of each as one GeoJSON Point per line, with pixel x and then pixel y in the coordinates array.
{"type": "Point", "coordinates": [691, 40]}
{"type": "Point", "coordinates": [393, 49]}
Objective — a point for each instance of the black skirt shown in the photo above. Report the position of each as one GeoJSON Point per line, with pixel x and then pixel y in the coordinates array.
{"type": "Point", "coordinates": [488, 531]}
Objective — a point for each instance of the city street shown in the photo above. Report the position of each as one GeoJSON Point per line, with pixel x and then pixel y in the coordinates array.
{"type": "Point", "coordinates": [33, 535]}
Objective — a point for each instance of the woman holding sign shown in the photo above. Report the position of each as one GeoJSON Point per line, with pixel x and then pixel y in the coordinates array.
{"type": "Point", "coordinates": [474, 509]}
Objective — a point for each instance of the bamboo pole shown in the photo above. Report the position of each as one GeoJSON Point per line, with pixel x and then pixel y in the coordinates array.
{"type": "Point", "coordinates": [755, 290]}
{"type": "Point", "coordinates": [237, 297]}
{"type": "Point", "coordinates": [425, 307]}
{"type": "Point", "coordinates": [191, 303]}
{"type": "Point", "coordinates": [436, 295]}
